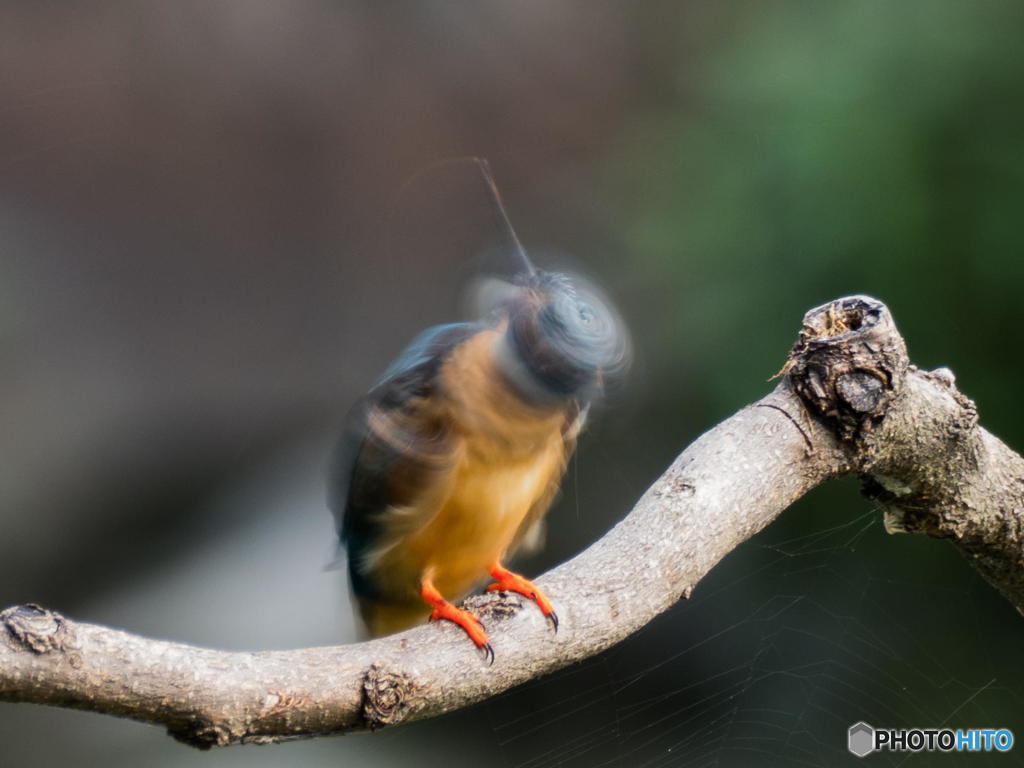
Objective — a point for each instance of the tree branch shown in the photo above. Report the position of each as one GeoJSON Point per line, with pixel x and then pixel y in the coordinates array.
{"type": "Point", "coordinates": [914, 438]}
{"type": "Point", "coordinates": [850, 401]}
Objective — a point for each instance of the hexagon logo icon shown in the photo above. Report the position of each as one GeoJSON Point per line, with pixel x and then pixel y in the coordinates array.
{"type": "Point", "coordinates": [860, 739]}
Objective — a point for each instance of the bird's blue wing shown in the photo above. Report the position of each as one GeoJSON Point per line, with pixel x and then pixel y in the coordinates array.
{"type": "Point", "coordinates": [374, 468]}
{"type": "Point", "coordinates": [426, 351]}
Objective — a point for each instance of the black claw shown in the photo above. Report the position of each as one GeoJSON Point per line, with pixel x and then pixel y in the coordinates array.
{"type": "Point", "coordinates": [553, 618]}
{"type": "Point", "coordinates": [488, 653]}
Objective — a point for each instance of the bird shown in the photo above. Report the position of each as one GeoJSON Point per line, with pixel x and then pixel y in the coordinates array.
{"type": "Point", "coordinates": [449, 463]}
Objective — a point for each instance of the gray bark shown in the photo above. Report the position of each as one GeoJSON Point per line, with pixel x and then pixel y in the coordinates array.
{"type": "Point", "coordinates": [849, 402]}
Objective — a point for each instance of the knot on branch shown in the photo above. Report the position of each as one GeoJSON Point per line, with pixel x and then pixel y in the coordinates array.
{"type": "Point", "coordinates": [494, 605]}
{"type": "Point", "coordinates": [201, 732]}
{"type": "Point", "coordinates": [388, 697]}
{"type": "Point", "coordinates": [848, 363]}
{"type": "Point", "coordinates": [36, 629]}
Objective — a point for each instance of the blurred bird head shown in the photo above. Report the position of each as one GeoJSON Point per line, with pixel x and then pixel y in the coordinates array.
{"type": "Point", "coordinates": [563, 338]}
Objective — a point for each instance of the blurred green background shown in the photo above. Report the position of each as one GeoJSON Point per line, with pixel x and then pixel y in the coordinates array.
{"type": "Point", "coordinates": [207, 252]}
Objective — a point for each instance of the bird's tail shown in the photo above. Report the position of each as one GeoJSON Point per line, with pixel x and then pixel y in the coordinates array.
{"type": "Point", "coordinates": [379, 619]}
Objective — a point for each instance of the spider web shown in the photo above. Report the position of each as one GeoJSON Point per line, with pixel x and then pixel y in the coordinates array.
{"type": "Point", "coordinates": [814, 625]}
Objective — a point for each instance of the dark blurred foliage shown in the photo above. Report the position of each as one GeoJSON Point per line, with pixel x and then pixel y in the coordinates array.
{"type": "Point", "coordinates": [210, 245]}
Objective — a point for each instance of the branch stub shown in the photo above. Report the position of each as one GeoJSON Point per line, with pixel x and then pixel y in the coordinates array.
{"type": "Point", "coordinates": [848, 363]}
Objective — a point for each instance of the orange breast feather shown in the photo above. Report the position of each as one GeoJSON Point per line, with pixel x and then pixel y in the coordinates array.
{"type": "Point", "coordinates": [507, 460]}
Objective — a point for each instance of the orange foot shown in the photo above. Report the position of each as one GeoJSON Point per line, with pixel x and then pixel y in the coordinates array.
{"type": "Point", "coordinates": [506, 581]}
{"type": "Point", "coordinates": [469, 623]}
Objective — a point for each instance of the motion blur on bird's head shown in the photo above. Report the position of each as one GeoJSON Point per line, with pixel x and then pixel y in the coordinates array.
{"type": "Point", "coordinates": [563, 338]}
